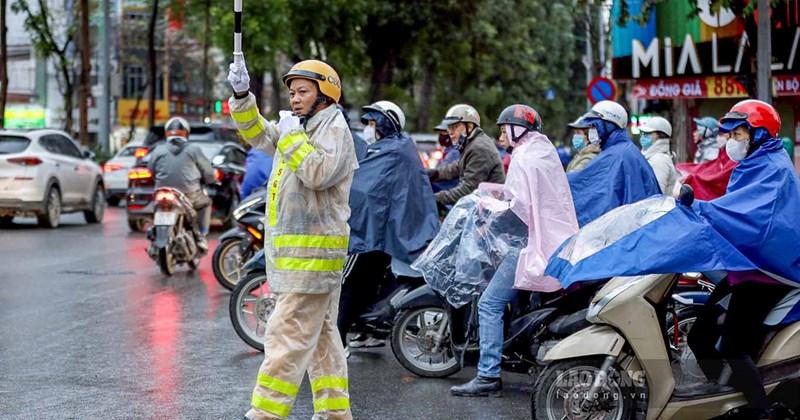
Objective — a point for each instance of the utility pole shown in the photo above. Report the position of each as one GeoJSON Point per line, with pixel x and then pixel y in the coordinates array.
{"type": "Point", "coordinates": [588, 59]}
{"type": "Point", "coordinates": [601, 41]}
{"type": "Point", "coordinates": [105, 79]}
{"type": "Point", "coordinates": [764, 56]}
{"type": "Point", "coordinates": [84, 91]}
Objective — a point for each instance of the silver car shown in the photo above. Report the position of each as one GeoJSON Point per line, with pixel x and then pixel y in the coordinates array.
{"type": "Point", "coordinates": [44, 173]}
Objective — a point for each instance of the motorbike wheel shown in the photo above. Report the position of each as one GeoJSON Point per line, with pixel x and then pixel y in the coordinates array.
{"type": "Point", "coordinates": [414, 337]}
{"type": "Point", "coordinates": [562, 387]}
{"type": "Point", "coordinates": [227, 263]}
{"type": "Point", "coordinates": [250, 307]}
{"type": "Point", "coordinates": [166, 262]}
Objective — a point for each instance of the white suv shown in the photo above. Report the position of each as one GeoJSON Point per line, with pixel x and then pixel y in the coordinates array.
{"type": "Point", "coordinates": [44, 173]}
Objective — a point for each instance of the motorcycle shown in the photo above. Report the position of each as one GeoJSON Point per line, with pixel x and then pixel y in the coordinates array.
{"type": "Point", "coordinates": [239, 244]}
{"type": "Point", "coordinates": [626, 369]}
{"type": "Point", "coordinates": [431, 338]}
{"type": "Point", "coordinates": [252, 303]}
{"type": "Point", "coordinates": [172, 236]}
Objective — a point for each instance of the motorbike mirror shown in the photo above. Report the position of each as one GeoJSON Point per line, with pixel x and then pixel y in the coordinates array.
{"type": "Point", "coordinates": [218, 160]}
{"type": "Point", "coordinates": [686, 195]}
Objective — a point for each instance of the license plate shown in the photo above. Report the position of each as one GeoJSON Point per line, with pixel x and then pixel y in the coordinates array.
{"type": "Point", "coordinates": [165, 218]}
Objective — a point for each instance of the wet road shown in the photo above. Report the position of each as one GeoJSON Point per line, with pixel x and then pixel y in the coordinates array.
{"type": "Point", "coordinates": [90, 329]}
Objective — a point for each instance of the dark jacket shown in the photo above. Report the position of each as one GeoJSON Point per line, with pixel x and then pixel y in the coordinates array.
{"type": "Point", "coordinates": [479, 163]}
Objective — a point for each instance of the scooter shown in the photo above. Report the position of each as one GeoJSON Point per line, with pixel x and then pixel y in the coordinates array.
{"type": "Point", "coordinates": [172, 236]}
{"type": "Point", "coordinates": [620, 367]}
{"type": "Point", "coordinates": [239, 244]}
{"type": "Point", "coordinates": [431, 338]}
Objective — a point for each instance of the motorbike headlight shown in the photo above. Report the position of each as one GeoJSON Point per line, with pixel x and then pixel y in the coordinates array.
{"type": "Point", "coordinates": [596, 307]}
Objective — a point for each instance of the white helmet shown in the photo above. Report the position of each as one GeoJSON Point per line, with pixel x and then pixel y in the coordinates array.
{"type": "Point", "coordinates": [176, 127]}
{"type": "Point", "coordinates": [657, 124]}
{"type": "Point", "coordinates": [391, 111]}
{"type": "Point", "coordinates": [462, 113]}
{"type": "Point", "coordinates": [612, 112]}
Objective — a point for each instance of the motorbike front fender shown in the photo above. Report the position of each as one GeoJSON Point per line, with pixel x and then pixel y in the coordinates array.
{"type": "Point", "coordinates": [162, 236]}
{"type": "Point", "coordinates": [591, 341]}
{"type": "Point", "coordinates": [233, 233]}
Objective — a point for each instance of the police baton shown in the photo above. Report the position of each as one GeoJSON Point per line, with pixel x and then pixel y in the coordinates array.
{"type": "Point", "coordinates": [237, 31]}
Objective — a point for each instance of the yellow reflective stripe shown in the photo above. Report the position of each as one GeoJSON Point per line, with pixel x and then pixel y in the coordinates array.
{"type": "Point", "coordinates": [330, 404]}
{"type": "Point", "coordinates": [309, 264]}
{"type": "Point", "coordinates": [331, 382]}
{"type": "Point", "coordinates": [297, 157]}
{"type": "Point", "coordinates": [270, 406]}
{"type": "Point", "coordinates": [247, 115]}
{"type": "Point", "coordinates": [255, 130]}
{"type": "Point", "coordinates": [278, 385]}
{"type": "Point", "coordinates": [274, 187]}
{"type": "Point", "coordinates": [290, 140]}
{"type": "Point", "coordinates": [310, 241]}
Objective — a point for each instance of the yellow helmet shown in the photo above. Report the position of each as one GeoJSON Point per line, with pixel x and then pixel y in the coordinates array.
{"type": "Point", "coordinates": [326, 77]}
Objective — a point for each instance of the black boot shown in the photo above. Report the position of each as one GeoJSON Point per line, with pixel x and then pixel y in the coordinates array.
{"type": "Point", "coordinates": [479, 387]}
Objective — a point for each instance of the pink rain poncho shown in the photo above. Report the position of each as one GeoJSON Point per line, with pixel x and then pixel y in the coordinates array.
{"type": "Point", "coordinates": [480, 230]}
{"type": "Point", "coordinates": [537, 187]}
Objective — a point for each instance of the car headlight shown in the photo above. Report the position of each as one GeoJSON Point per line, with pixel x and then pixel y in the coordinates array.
{"type": "Point", "coordinates": [596, 307]}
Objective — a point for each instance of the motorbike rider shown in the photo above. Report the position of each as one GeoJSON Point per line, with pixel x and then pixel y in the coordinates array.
{"type": "Point", "coordinates": [655, 141]}
{"type": "Point", "coordinates": [393, 215]}
{"type": "Point", "coordinates": [183, 166]}
{"type": "Point", "coordinates": [753, 126]}
{"type": "Point", "coordinates": [257, 168]}
{"type": "Point", "coordinates": [537, 196]}
{"type": "Point", "coordinates": [618, 175]}
{"type": "Point", "coordinates": [479, 160]}
{"type": "Point", "coordinates": [705, 137]}
{"type": "Point", "coordinates": [586, 150]}
{"type": "Point", "coordinates": [450, 154]}
{"type": "Point", "coordinates": [305, 239]}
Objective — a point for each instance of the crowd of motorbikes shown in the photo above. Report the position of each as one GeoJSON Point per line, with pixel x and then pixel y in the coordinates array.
{"type": "Point", "coordinates": [431, 338]}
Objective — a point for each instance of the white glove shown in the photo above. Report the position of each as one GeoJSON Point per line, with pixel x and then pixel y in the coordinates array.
{"type": "Point", "coordinates": [288, 123]}
{"type": "Point", "coordinates": [237, 74]}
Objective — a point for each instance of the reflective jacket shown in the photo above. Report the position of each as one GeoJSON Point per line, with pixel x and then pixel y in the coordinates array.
{"type": "Point", "coordinates": [306, 235]}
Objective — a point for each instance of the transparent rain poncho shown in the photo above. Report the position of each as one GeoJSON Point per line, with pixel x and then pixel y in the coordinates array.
{"type": "Point", "coordinates": [475, 237]}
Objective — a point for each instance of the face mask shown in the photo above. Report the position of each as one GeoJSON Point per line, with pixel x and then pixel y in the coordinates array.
{"type": "Point", "coordinates": [737, 150]}
{"type": "Point", "coordinates": [369, 134]}
{"type": "Point", "coordinates": [578, 142]}
{"type": "Point", "coordinates": [646, 141]}
{"type": "Point", "coordinates": [594, 137]}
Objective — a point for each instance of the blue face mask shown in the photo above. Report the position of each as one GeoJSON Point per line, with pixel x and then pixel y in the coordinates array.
{"type": "Point", "coordinates": [646, 140]}
{"type": "Point", "coordinates": [578, 142]}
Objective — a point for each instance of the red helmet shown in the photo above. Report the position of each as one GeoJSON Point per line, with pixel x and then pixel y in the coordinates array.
{"type": "Point", "coordinates": [755, 113]}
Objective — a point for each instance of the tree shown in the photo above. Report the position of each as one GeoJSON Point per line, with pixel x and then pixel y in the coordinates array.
{"type": "Point", "coordinates": [151, 64]}
{"type": "Point", "coordinates": [3, 64]}
{"type": "Point", "coordinates": [85, 83]}
{"type": "Point", "coordinates": [51, 44]}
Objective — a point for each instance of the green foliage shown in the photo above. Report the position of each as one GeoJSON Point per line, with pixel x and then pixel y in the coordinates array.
{"type": "Point", "coordinates": [489, 53]}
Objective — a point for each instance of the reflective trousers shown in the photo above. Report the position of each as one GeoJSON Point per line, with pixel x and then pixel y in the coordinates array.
{"type": "Point", "coordinates": [302, 336]}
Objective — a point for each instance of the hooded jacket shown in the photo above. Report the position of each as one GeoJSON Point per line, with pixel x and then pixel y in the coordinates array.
{"type": "Point", "coordinates": [583, 157]}
{"type": "Point", "coordinates": [180, 165]}
{"type": "Point", "coordinates": [659, 157]}
{"type": "Point", "coordinates": [479, 162]}
{"type": "Point", "coordinates": [306, 237]}
{"type": "Point", "coordinates": [392, 203]}
{"type": "Point", "coordinates": [618, 175]}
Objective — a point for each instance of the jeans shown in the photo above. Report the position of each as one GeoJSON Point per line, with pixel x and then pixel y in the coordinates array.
{"type": "Point", "coordinates": [491, 307]}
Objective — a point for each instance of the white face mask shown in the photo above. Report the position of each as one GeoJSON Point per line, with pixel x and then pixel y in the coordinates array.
{"type": "Point", "coordinates": [369, 134]}
{"type": "Point", "coordinates": [737, 150]}
{"type": "Point", "coordinates": [594, 137]}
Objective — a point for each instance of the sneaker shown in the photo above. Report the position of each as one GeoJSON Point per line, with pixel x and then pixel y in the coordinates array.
{"type": "Point", "coordinates": [202, 245]}
{"type": "Point", "coordinates": [358, 340]}
{"type": "Point", "coordinates": [347, 352]}
{"type": "Point", "coordinates": [368, 343]}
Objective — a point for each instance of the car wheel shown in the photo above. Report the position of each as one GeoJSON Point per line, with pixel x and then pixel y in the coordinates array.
{"type": "Point", "coordinates": [95, 215]}
{"type": "Point", "coordinates": [6, 220]}
{"type": "Point", "coordinates": [52, 209]}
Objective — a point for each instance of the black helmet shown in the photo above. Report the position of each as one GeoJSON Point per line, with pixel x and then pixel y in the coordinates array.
{"type": "Point", "coordinates": [521, 115]}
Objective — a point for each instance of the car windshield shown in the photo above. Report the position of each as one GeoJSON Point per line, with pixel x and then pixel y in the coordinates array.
{"type": "Point", "coordinates": [613, 226]}
{"type": "Point", "coordinates": [210, 149]}
{"type": "Point", "coordinates": [13, 144]}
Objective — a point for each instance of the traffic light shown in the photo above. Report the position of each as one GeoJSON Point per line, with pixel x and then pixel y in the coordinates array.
{"type": "Point", "coordinates": [218, 106]}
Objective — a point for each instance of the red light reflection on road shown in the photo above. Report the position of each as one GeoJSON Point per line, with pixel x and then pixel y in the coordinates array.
{"type": "Point", "coordinates": [164, 335]}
